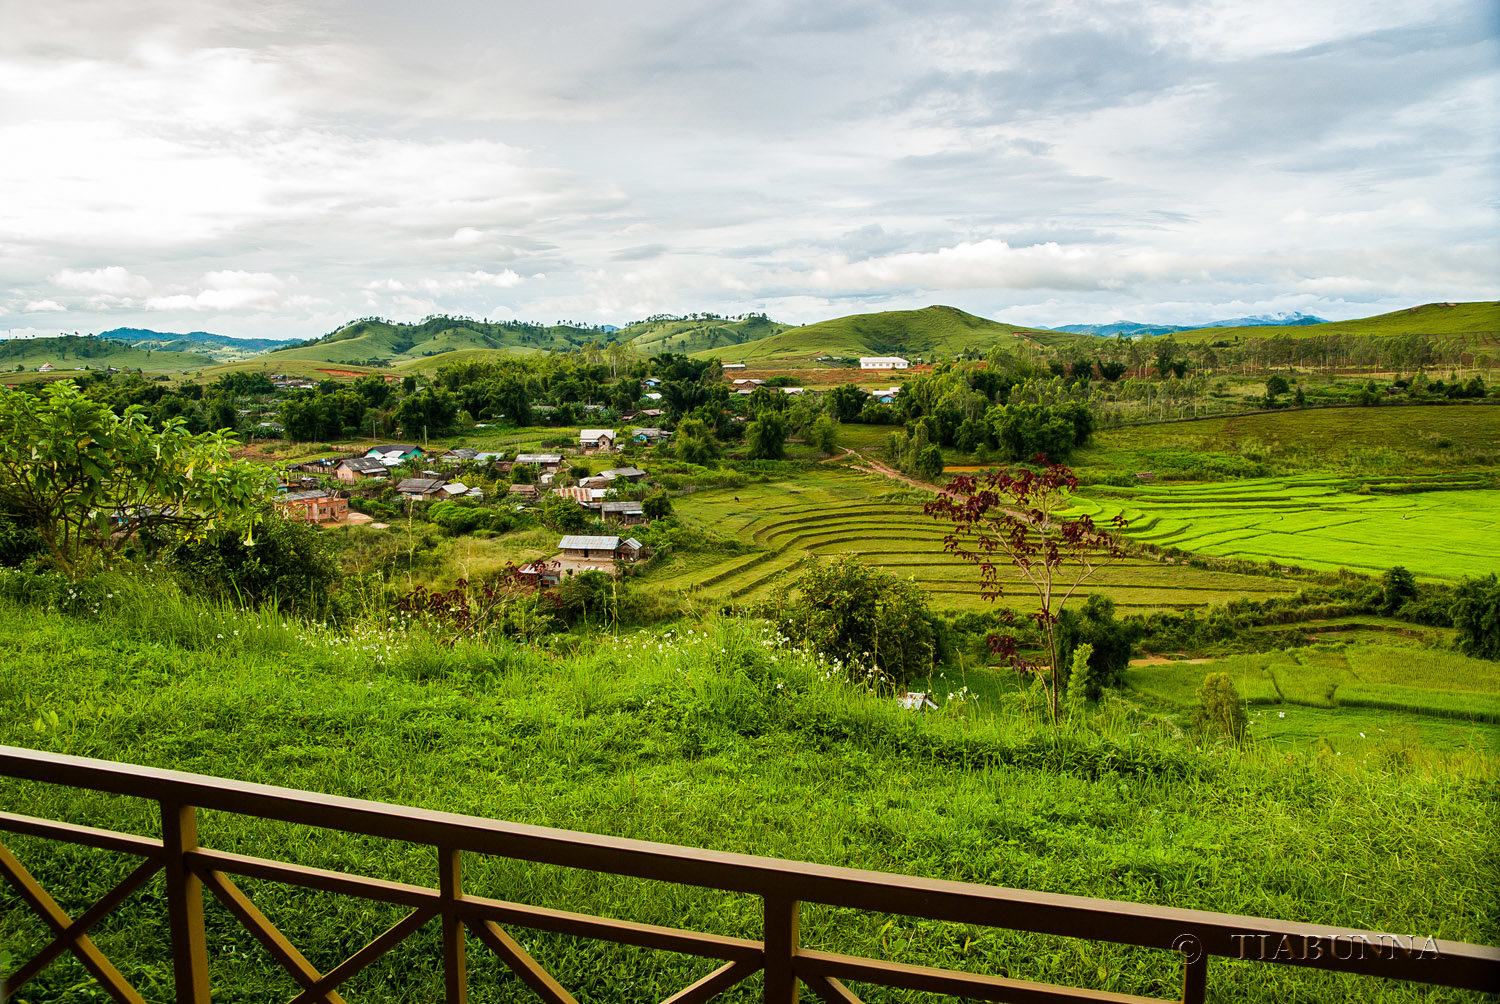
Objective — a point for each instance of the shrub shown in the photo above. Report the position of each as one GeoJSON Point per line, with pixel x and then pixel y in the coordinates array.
{"type": "Point", "coordinates": [272, 560]}
{"type": "Point", "coordinates": [1220, 709]}
{"type": "Point", "coordinates": [1476, 615]}
{"type": "Point", "coordinates": [1109, 642]}
{"type": "Point", "coordinates": [874, 623]}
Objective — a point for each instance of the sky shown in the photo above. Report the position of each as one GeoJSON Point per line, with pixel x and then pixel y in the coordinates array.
{"type": "Point", "coordinates": [276, 169]}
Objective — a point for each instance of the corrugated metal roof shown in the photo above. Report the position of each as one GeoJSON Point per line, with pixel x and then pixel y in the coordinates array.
{"type": "Point", "coordinates": [539, 458]}
{"type": "Point", "coordinates": [576, 494]}
{"type": "Point", "coordinates": [596, 434]}
{"type": "Point", "coordinates": [582, 543]}
{"type": "Point", "coordinates": [632, 543]}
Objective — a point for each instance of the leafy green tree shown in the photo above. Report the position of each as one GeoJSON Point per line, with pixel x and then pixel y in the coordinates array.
{"type": "Point", "coordinates": [259, 559]}
{"type": "Point", "coordinates": [876, 624]}
{"type": "Point", "coordinates": [1397, 587]}
{"type": "Point", "coordinates": [1476, 615]}
{"type": "Point", "coordinates": [563, 514]}
{"type": "Point", "coordinates": [694, 442]}
{"type": "Point", "coordinates": [431, 411]}
{"type": "Point", "coordinates": [846, 401]}
{"type": "Point", "coordinates": [1110, 642]}
{"type": "Point", "coordinates": [823, 435]}
{"type": "Point", "coordinates": [1276, 385]}
{"type": "Point", "coordinates": [766, 437]}
{"type": "Point", "coordinates": [1079, 679]}
{"type": "Point", "coordinates": [1301, 399]}
{"type": "Point", "coordinates": [657, 506]}
{"type": "Point", "coordinates": [374, 389]}
{"type": "Point", "coordinates": [89, 481]}
{"type": "Point", "coordinates": [929, 465]}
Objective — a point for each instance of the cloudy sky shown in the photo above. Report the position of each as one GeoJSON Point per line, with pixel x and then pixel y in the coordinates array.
{"type": "Point", "coordinates": [277, 168]}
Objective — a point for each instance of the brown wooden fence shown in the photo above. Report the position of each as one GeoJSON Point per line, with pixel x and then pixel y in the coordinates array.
{"type": "Point", "coordinates": [781, 885]}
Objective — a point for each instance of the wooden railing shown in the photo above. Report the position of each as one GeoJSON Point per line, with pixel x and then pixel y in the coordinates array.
{"type": "Point", "coordinates": [782, 887]}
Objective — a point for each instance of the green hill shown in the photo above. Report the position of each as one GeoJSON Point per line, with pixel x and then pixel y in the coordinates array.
{"type": "Point", "coordinates": [1442, 319]}
{"type": "Point", "coordinates": [911, 333]}
{"type": "Point", "coordinates": [76, 352]}
{"type": "Point", "coordinates": [365, 341]}
{"type": "Point", "coordinates": [689, 335]}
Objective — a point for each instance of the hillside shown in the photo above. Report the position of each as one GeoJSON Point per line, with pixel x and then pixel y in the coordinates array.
{"type": "Point", "coordinates": [1132, 328]}
{"type": "Point", "coordinates": [70, 352]}
{"type": "Point", "coordinates": [911, 333]}
{"type": "Point", "coordinates": [1480, 318]}
{"type": "Point", "coordinates": [368, 340]}
{"type": "Point", "coordinates": [688, 335]}
{"type": "Point", "coordinates": [223, 348]}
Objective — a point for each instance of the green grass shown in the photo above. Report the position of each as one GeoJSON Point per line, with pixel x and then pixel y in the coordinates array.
{"type": "Point", "coordinates": [72, 353]}
{"type": "Point", "coordinates": [831, 510]}
{"type": "Point", "coordinates": [710, 735]}
{"type": "Point", "coordinates": [1393, 440]}
{"type": "Point", "coordinates": [937, 329]}
{"type": "Point", "coordinates": [1318, 522]}
{"type": "Point", "coordinates": [1429, 319]}
{"type": "Point", "coordinates": [688, 336]}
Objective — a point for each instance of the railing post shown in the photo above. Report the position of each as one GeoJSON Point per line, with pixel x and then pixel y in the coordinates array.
{"type": "Point", "coordinates": [450, 887]}
{"type": "Point", "coordinates": [782, 936]}
{"type": "Point", "coordinates": [179, 835]}
{"type": "Point", "coordinates": [1195, 979]}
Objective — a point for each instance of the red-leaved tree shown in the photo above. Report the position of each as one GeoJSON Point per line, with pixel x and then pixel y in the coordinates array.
{"type": "Point", "coordinates": [1012, 520]}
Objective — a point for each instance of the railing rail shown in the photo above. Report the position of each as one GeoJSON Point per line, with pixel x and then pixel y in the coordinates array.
{"type": "Point", "coordinates": [781, 885]}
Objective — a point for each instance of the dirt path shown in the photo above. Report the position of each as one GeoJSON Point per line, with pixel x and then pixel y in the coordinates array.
{"type": "Point", "coordinates": [876, 467]}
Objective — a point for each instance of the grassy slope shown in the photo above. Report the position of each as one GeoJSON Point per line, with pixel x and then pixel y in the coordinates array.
{"type": "Point", "coordinates": [365, 340]}
{"type": "Point", "coordinates": [936, 329]}
{"type": "Point", "coordinates": [689, 739]}
{"type": "Point", "coordinates": [69, 353]}
{"type": "Point", "coordinates": [652, 337]}
{"type": "Point", "coordinates": [1428, 319]}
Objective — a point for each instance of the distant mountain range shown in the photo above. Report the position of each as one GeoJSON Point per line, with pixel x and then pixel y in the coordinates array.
{"type": "Point", "coordinates": [137, 336]}
{"type": "Point", "coordinates": [1132, 328]}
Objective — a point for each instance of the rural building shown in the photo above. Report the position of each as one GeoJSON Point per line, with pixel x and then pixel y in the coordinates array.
{"type": "Point", "coordinates": [528, 492]}
{"type": "Point", "coordinates": [358, 468]}
{"type": "Point", "coordinates": [315, 506]}
{"type": "Point", "coordinates": [549, 462]}
{"type": "Point", "coordinates": [394, 452]}
{"type": "Point", "coordinates": [629, 513]}
{"type": "Point", "coordinates": [546, 573]}
{"type": "Point", "coordinates": [651, 382]}
{"type": "Point", "coordinates": [579, 495]}
{"type": "Point", "coordinates": [458, 489]}
{"type": "Point", "coordinates": [631, 474]}
{"type": "Point", "coordinates": [885, 396]}
{"type": "Point", "coordinates": [420, 488]}
{"type": "Point", "coordinates": [733, 366]}
{"type": "Point", "coordinates": [882, 363]}
{"type": "Point", "coordinates": [652, 397]}
{"type": "Point", "coordinates": [596, 439]}
{"type": "Point", "coordinates": [45, 368]}
{"type": "Point", "coordinates": [649, 436]}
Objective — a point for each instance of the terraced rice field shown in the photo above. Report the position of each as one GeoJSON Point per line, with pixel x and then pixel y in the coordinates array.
{"type": "Point", "coordinates": [1442, 526]}
{"type": "Point", "coordinates": [835, 511]}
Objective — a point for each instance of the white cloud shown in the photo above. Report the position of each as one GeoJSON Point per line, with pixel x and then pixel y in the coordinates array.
{"type": "Point", "coordinates": [42, 307]}
{"type": "Point", "coordinates": [112, 279]}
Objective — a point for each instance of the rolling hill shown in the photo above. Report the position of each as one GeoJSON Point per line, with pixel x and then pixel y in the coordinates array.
{"type": "Point", "coordinates": [223, 348]}
{"type": "Point", "coordinates": [912, 333]}
{"type": "Point", "coordinates": [370, 340]}
{"type": "Point", "coordinates": [76, 352]}
{"type": "Point", "coordinates": [689, 335]}
{"type": "Point", "coordinates": [1441, 319]}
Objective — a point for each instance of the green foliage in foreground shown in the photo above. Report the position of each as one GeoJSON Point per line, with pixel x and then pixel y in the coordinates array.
{"type": "Point", "coordinates": [714, 736]}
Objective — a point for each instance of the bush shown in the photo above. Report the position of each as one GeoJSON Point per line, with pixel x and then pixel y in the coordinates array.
{"type": "Point", "coordinates": [272, 560]}
{"type": "Point", "coordinates": [1109, 641]}
{"type": "Point", "coordinates": [875, 624]}
{"type": "Point", "coordinates": [1476, 615]}
{"type": "Point", "coordinates": [17, 542]}
{"type": "Point", "coordinates": [1220, 709]}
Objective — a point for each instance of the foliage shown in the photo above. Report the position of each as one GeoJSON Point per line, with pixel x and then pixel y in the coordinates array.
{"type": "Point", "coordinates": [929, 466]}
{"type": "Point", "coordinates": [845, 402]}
{"type": "Point", "coordinates": [469, 610]}
{"type": "Point", "coordinates": [1024, 431]}
{"type": "Point", "coordinates": [694, 442]}
{"type": "Point", "coordinates": [17, 542]}
{"type": "Point", "coordinates": [89, 481]}
{"type": "Point", "coordinates": [430, 412]}
{"type": "Point", "coordinates": [1080, 677]}
{"type": "Point", "coordinates": [766, 436]}
{"type": "Point", "coordinates": [1276, 385]}
{"type": "Point", "coordinates": [457, 517]}
{"type": "Point", "coordinates": [563, 514]}
{"type": "Point", "coordinates": [1476, 616]}
{"type": "Point", "coordinates": [1220, 709]}
{"type": "Point", "coordinates": [823, 435]}
{"type": "Point", "coordinates": [1018, 519]}
{"type": "Point", "coordinates": [264, 559]}
{"type": "Point", "coordinates": [656, 505]}
{"type": "Point", "coordinates": [1110, 642]}
{"type": "Point", "coordinates": [872, 622]}
{"type": "Point", "coordinates": [1397, 588]}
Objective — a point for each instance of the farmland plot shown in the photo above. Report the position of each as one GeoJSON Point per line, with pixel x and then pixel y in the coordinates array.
{"type": "Point", "coordinates": [1315, 522]}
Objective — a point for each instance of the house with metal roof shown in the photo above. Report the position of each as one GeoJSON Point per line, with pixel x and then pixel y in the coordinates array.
{"type": "Point", "coordinates": [394, 451]}
{"type": "Point", "coordinates": [549, 462]}
{"type": "Point", "coordinates": [316, 506]}
{"type": "Point", "coordinates": [627, 512]}
{"type": "Point", "coordinates": [596, 439]}
{"type": "Point", "coordinates": [420, 488]}
{"type": "Point", "coordinates": [358, 468]}
{"type": "Point", "coordinates": [650, 435]}
{"type": "Point", "coordinates": [631, 474]}
{"type": "Point", "coordinates": [883, 363]}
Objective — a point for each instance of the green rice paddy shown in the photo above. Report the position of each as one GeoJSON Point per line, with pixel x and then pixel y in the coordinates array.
{"type": "Point", "coordinates": [834, 511]}
{"type": "Point", "coordinates": [1437, 526]}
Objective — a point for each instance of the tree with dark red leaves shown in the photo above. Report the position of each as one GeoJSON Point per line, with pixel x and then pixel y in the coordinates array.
{"type": "Point", "coordinates": [1015, 519]}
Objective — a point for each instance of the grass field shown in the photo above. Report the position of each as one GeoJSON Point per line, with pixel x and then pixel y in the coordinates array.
{"type": "Point", "coordinates": [1434, 525]}
{"type": "Point", "coordinates": [1393, 440]}
{"type": "Point", "coordinates": [832, 511]}
{"type": "Point", "coordinates": [1428, 319]}
{"type": "Point", "coordinates": [711, 735]}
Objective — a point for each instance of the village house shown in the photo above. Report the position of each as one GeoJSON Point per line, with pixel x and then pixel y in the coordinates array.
{"type": "Point", "coordinates": [885, 396]}
{"type": "Point", "coordinates": [596, 439]}
{"type": "Point", "coordinates": [526, 493]}
{"type": "Point", "coordinates": [579, 495]}
{"type": "Point", "coordinates": [882, 363]}
{"type": "Point", "coordinates": [733, 366]}
{"type": "Point", "coordinates": [316, 506]}
{"type": "Point", "coordinates": [549, 462]}
{"type": "Point", "coordinates": [359, 468]}
{"type": "Point", "coordinates": [651, 382]}
{"type": "Point", "coordinates": [467, 455]}
{"type": "Point", "coordinates": [457, 489]}
{"type": "Point", "coordinates": [582, 553]}
{"type": "Point", "coordinates": [650, 436]}
{"type": "Point", "coordinates": [631, 474]}
{"type": "Point", "coordinates": [420, 488]}
{"type": "Point", "coordinates": [45, 368]}
{"type": "Point", "coordinates": [629, 513]}
{"type": "Point", "coordinates": [394, 453]}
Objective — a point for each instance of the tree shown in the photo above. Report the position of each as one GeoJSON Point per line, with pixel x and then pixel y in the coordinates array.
{"type": "Point", "coordinates": [1276, 386]}
{"type": "Point", "coordinates": [876, 624]}
{"type": "Point", "coordinates": [430, 412]}
{"type": "Point", "coordinates": [1397, 587]}
{"type": "Point", "coordinates": [1476, 615]}
{"type": "Point", "coordinates": [1220, 709]}
{"type": "Point", "coordinates": [695, 442]}
{"type": "Point", "coordinates": [1014, 519]}
{"type": "Point", "coordinates": [1110, 642]}
{"type": "Point", "coordinates": [929, 466]}
{"type": "Point", "coordinates": [89, 481]}
{"type": "Point", "coordinates": [563, 514]}
{"type": "Point", "coordinates": [823, 435]}
{"type": "Point", "coordinates": [846, 402]}
{"type": "Point", "coordinates": [263, 558]}
{"type": "Point", "coordinates": [657, 505]}
{"type": "Point", "coordinates": [767, 436]}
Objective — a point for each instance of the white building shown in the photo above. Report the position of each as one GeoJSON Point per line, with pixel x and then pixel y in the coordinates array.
{"type": "Point", "coordinates": [882, 363]}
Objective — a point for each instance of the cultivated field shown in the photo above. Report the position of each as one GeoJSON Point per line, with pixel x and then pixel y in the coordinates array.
{"type": "Point", "coordinates": [1437, 526]}
{"type": "Point", "coordinates": [836, 511]}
